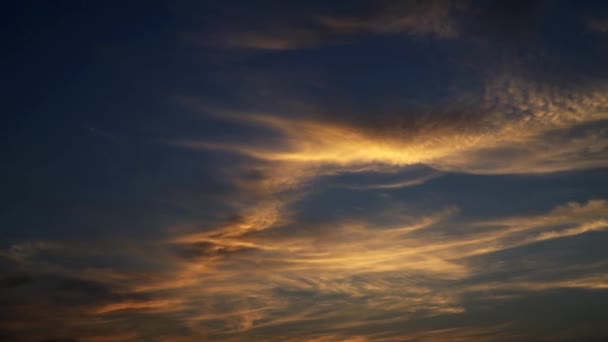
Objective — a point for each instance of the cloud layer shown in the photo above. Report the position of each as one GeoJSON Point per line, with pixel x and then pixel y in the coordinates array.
{"type": "Point", "coordinates": [377, 171]}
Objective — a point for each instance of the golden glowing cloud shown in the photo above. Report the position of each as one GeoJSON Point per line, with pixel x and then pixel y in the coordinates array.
{"type": "Point", "coordinates": [525, 129]}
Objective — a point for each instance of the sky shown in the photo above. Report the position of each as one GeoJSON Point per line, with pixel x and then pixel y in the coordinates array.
{"type": "Point", "coordinates": [304, 171]}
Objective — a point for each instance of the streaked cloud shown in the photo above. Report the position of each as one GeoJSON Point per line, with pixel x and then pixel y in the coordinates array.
{"type": "Point", "coordinates": [414, 17]}
{"type": "Point", "coordinates": [238, 283]}
{"type": "Point", "coordinates": [395, 184]}
{"type": "Point", "coordinates": [288, 30]}
{"type": "Point", "coordinates": [418, 270]}
{"type": "Point", "coordinates": [368, 266]}
{"type": "Point", "coordinates": [529, 128]}
{"type": "Point", "coordinates": [283, 39]}
{"type": "Point", "coordinates": [597, 24]}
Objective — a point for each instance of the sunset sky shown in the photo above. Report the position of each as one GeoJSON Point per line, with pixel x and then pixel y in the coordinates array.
{"type": "Point", "coordinates": [304, 171]}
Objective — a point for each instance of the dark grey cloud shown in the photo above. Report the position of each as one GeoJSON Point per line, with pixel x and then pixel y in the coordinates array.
{"type": "Point", "coordinates": [598, 25]}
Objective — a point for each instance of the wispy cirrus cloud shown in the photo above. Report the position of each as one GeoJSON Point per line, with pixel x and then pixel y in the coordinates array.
{"type": "Point", "coordinates": [530, 129]}
{"type": "Point", "coordinates": [597, 25]}
{"type": "Point", "coordinates": [413, 17]}
{"type": "Point", "coordinates": [292, 29]}
{"type": "Point", "coordinates": [517, 119]}
{"type": "Point", "coordinates": [417, 270]}
{"type": "Point", "coordinates": [521, 128]}
{"type": "Point", "coordinates": [396, 266]}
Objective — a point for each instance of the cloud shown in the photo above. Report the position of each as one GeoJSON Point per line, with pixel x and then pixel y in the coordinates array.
{"type": "Point", "coordinates": [22, 251]}
{"type": "Point", "coordinates": [416, 268]}
{"type": "Point", "coordinates": [273, 40]}
{"type": "Point", "coordinates": [520, 128]}
{"type": "Point", "coordinates": [415, 17]}
{"type": "Point", "coordinates": [126, 336]}
{"type": "Point", "coordinates": [141, 306]}
{"type": "Point", "coordinates": [408, 266]}
{"type": "Point", "coordinates": [394, 185]}
{"type": "Point", "coordinates": [266, 271]}
{"type": "Point", "coordinates": [358, 277]}
{"type": "Point", "coordinates": [288, 29]}
{"type": "Point", "coordinates": [597, 25]}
